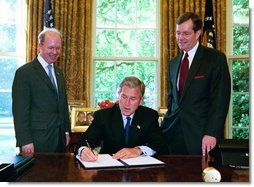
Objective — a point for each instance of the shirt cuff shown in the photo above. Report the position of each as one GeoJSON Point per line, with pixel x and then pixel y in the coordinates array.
{"type": "Point", "coordinates": [80, 149]}
{"type": "Point", "coordinates": [146, 150]}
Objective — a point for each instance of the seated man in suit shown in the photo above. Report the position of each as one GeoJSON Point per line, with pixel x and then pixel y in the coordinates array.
{"type": "Point", "coordinates": [110, 127]}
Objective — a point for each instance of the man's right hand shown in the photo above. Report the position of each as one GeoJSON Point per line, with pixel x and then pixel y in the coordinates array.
{"type": "Point", "coordinates": [28, 148]}
{"type": "Point", "coordinates": [88, 155]}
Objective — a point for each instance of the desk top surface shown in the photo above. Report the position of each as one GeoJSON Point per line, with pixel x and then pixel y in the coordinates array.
{"type": "Point", "coordinates": [65, 168]}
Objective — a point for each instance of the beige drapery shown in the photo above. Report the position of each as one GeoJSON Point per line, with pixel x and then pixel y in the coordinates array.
{"type": "Point", "coordinates": [74, 19]}
{"type": "Point", "coordinates": [170, 10]}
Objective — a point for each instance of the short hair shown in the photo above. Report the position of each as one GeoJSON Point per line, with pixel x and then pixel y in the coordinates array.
{"type": "Point", "coordinates": [89, 114]}
{"type": "Point", "coordinates": [81, 112]}
{"type": "Point", "coordinates": [42, 34]}
{"type": "Point", "coordinates": [132, 82]}
{"type": "Point", "coordinates": [196, 20]}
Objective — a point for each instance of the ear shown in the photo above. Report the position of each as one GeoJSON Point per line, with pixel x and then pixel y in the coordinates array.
{"type": "Point", "coordinates": [39, 45]}
{"type": "Point", "coordinates": [198, 33]}
{"type": "Point", "coordinates": [141, 100]}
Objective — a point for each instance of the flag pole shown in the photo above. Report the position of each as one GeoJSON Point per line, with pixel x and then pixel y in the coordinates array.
{"type": "Point", "coordinates": [209, 38]}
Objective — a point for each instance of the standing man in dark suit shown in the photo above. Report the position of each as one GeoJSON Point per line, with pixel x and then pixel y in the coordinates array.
{"type": "Point", "coordinates": [40, 108]}
{"type": "Point", "coordinates": [109, 127]}
{"type": "Point", "coordinates": [198, 106]}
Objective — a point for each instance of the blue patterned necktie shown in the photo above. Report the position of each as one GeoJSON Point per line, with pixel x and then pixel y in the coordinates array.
{"type": "Point", "coordinates": [51, 76]}
{"type": "Point", "coordinates": [127, 126]}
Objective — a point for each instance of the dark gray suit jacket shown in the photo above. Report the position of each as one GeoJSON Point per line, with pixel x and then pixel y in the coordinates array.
{"type": "Point", "coordinates": [40, 114]}
{"type": "Point", "coordinates": [203, 106]}
{"type": "Point", "coordinates": [108, 128]}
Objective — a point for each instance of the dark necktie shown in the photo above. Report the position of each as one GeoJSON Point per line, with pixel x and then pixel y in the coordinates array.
{"type": "Point", "coordinates": [127, 126]}
{"type": "Point", "coordinates": [183, 72]}
{"type": "Point", "coordinates": [51, 76]}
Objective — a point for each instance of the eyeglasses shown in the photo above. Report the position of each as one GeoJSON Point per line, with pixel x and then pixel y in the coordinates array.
{"type": "Point", "coordinates": [184, 34]}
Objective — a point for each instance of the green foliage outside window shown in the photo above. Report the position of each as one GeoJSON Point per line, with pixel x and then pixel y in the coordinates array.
{"type": "Point", "coordinates": [240, 71]}
{"type": "Point", "coordinates": [125, 29]}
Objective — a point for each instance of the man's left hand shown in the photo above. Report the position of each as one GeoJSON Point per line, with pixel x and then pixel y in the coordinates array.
{"type": "Point", "coordinates": [127, 153]}
{"type": "Point", "coordinates": [208, 143]}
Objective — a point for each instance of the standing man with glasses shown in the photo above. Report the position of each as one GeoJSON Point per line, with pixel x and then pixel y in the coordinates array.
{"type": "Point", "coordinates": [199, 92]}
{"type": "Point", "coordinates": [127, 129]}
{"type": "Point", "coordinates": [39, 100]}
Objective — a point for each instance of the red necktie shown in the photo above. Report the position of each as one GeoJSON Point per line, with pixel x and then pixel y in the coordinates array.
{"type": "Point", "coordinates": [183, 72]}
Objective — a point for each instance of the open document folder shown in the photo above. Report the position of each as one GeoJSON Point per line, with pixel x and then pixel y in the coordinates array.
{"type": "Point", "coordinates": [106, 161]}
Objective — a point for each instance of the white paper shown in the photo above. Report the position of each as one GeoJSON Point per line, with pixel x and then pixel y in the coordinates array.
{"type": "Point", "coordinates": [104, 160]}
{"type": "Point", "coordinates": [142, 160]}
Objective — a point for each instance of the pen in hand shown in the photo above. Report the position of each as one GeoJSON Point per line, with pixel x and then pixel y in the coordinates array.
{"type": "Point", "coordinates": [88, 145]}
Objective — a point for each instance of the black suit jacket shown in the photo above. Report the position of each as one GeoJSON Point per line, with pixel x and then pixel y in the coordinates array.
{"type": "Point", "coordinates": [40, 114]}
{"type": "Point", "coordinates": [108, 128]}
{"type": "Point", "coordinates": [203, 106]}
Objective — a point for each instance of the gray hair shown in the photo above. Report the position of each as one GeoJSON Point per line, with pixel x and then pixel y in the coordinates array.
{"type": "Point", "coordinates": [42, 34]}
{"type": "Point", "coordinates": [132, 82]}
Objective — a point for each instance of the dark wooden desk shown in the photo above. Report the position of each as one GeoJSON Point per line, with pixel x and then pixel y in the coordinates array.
{"type": "Point", "coordinates": [64, 168]}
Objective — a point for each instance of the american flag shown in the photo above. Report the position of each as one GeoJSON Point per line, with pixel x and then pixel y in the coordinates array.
{"type": "Point", "coordinates": [209, 38]}
{"type": "Point", "coordinates": [48, 15]}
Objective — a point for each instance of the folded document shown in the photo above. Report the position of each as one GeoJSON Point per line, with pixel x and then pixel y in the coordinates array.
{"type": "Point", "coordinates": [106, 161]}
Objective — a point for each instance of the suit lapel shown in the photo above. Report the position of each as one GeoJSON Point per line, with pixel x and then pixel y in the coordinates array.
{"type": "Point", "coordinates": [175, 71]}
{"type": "Point", "coordinates": [58, 79]}
{"type": "Point", "coordinates": [42, 74]}
{"type": "Point", "coordinates": [135, 128]}
{"type": "Point", "coordinates": [117, 125]}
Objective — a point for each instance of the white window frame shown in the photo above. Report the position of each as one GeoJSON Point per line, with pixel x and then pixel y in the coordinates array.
{"type": "Point", "coordinates": [157, 58]}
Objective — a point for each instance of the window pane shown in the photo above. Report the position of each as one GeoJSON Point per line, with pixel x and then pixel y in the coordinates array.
{"type": "Point", "coordinates": [8, 11]}
{"type": "Point", "coordinates": [124, 69]}
{"type": "Point", "coordinates": [241, 11]}
{"type": "Point", "coordinates": [5, 105]}
{"type": "Point", "coordinates": [105, 43]}
{"type": "Point", "coordinates": [240, 75]}
{"type": "Point", "coordinates": [146, 71]}
{"type": "Point", "coordinates": [7, 69]}
{"type": "Point", "coordinates": [241, 40]}
{"type": "Point", "coordinates": [125, 29]}
{"type": "Point", "coordinates": [105, 13]}
{"type": "Point", "coordinates": [101, 96]}
{"type": "Point", "coordinates": [146, 13]}
{"type": "Point", "coordinates": [146, 43]}
{"type": "Point", "coordinates": [7, 38]}
{"type": "Point", "coordinates": [104, 76]}
{"type": "Point", "coordinates": [125, 43]}
{"type": "Point", "coordinates": [240, 134]}
{"type": "Point", "coordinates": [106, 89]}
{"type": "Point", "coordinates": [240, 110]}
{"type": "Point", "coordinates": [126, 14]}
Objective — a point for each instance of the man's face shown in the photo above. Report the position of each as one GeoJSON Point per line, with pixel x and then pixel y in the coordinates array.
{"type": "Point", "coordinates": [51, 47]}
{"type": "Point", "coordinates": [185, 36]}
{"type": "Point", "coordinates": [129, 100]}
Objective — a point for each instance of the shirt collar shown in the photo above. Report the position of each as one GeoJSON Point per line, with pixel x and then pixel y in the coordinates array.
{"type": "Point", "coordinates": [124, 117]}
{"type": "Point", "coordinates": [191, 53]}
{"type": "Point", "coordinates": [43, 62]}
